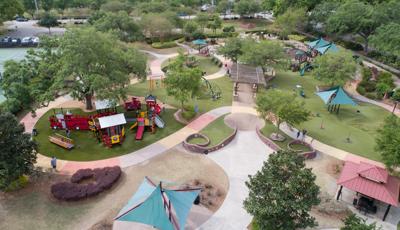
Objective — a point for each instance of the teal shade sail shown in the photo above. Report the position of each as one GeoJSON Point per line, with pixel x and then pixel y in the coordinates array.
{"type": "Point", "coordinates": [336, 96]}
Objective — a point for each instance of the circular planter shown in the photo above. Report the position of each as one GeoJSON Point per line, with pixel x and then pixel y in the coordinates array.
{"type": "Point", "coordinates": [200, 136]}
{"type": "Point", "coordinates": [277, 137]}
{"type": "Point", "coordinates": [310, 154]}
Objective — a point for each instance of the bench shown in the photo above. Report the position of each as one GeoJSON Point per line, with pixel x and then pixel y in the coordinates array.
{"type": "Point", "coordinates": [62, 141]}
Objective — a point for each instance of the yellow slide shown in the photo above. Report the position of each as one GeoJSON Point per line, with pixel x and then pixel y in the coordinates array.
{"type": "Point", "coordinates": [133, 126]}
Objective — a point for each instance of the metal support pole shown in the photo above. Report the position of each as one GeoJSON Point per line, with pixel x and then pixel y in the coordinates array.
{"type": "Point", "coordinates": [339, 193]}
{"type": "Point", "coordinates": [386, 212]}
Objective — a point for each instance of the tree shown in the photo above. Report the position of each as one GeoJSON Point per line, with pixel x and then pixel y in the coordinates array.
{"type": "Point", "coordinates": [283, 105]}
{"type": "Point", "coordinates": [281, 6]}
{"type": "Point", "coordinates": [334, 68]}
{"type": "Point", "coordinates": [223, 6]}
{"type": "Point", "coordinates": [29, 7]}
{"type": "Point", "coordinates": [119, 24]}
{"type": "Point", "coordinates": [115, 6]}
{"type": "Point", "coordinates": [215, 23]}
{"type": "Point", "coordinates": [47, 5]}
{"type": "Point", "coordinates": [182, 82]}
{"type": "Point", "coordinates": [354, 17]}
{"type": "Point", "coordinates": [232, 49]}
{"type": "Point", "coordinates": [48, 21]}
{"type": "Point", "coordinates": [202, 20]}
{"type": "Point", "coordinates": [387, 38]}
{"type": "Point", "coordinates": [323, 11]}
{"type": "Point", "coordinates": [282, 193]}
{"type": "Point", "coordinates": [18, 151]}
{"type": "Point", "coordinates": [264, 53]}
{"type": "Point", "coordinates": [9, 8]}
{"type": "Point", "coordinates": [353, 222]}
{"type": "Point", "coordinates": [94, 63]}
{"type": "Point", "coordinates": [190, 29]}
{"type": "Point", "coordinates": [291, 21]}
{"type": "Point", "coordinates": [387, 143]}
{"type": "Point", "coordinates": [156, 26]}
{"type": "Point", "coordinates": [247, 7]}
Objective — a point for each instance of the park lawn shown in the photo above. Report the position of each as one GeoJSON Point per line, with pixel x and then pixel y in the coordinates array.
{"type": "Point", "coordinates": [204, 63]}
{"type": "Point", "coordinates": [270, 128]}
{"type": "Point", "coordinates": [204, 104]}
{"type": "Point", "coordinates": [145, 46]}
{"type": "Point", "coordinates": [260, 24]}
{"type": "Point", "coordinates": [362, 127]}
{"type": "Point", "coordinates": [87, 148]}
{"type": "Point", "coordinates": [216, 131]}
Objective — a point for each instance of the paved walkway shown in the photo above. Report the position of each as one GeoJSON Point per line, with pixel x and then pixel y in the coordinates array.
{"type": "Point", "coordinates": [238, 162]}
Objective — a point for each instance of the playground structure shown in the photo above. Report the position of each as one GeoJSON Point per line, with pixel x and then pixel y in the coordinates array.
{"type": "Point", "coordinates": [110, 129]}
{"type": "Point", "coordinates": [132, 105]}
{"type": "Point", "coordinates": [210, 89]}
{"type": "Point", "coordinates": [62, 141]}
{"type": "Point", "coordinates": [202, 47]}
{"type": "Point", "coordinates": [149, 118]}
{"type": "Point", "coordinates": [307, 66]}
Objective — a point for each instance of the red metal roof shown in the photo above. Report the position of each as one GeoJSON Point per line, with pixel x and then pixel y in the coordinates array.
{"type": "Point", "coordinates": [370, 180]}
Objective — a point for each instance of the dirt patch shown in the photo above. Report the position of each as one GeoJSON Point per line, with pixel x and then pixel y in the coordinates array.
{"type": "Point", "coordinates": [243, 121]}
{"type": "Point", "coordinates": [212, 195]}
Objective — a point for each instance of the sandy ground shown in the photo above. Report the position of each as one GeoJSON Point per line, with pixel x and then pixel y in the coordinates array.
{"type": "Point", "coordinates": [243, 121]}
{"type": "Point", "coordinates": [33, 208]}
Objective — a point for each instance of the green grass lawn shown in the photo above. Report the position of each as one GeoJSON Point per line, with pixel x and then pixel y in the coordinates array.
{"type": "Point", "coordinates": [87, 148]}
{"type": "Point", "coordinates": [259, 24]}
{"type": "Point", "coordinates": [361, 127]}
{"type": "Point", "coordinates": [204, 63]}
{"type": "Point", "coordinates": [269, 128]}
{"type": "Point", "coordinates": [216, 131]}
{"type": "Point", "coordinates": [205, 104]}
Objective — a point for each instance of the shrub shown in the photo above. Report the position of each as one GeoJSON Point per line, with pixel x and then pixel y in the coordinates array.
{"type": "Point", "coordinates": [296, 37]}
{"type": "Point", "coordinates": [371, 95]}
{"type": "Point", "coordinates": [164, 45]}
{"type": "Point", "coordinates": [71, 190]}
{"type": "Point", "coordinates": [361, 90]}
{"type": "Point", "coordinates": [188, 113]}
{"type": "Point", "coordinates": [20, 183]}
{"type": "Point", "coordinates": [228, 29]}
{"type": "Point", "coordinates": [351, 45]}
{"type": "Point", "coordinates": [366, 74]}
{"type": "Point", "coordinates": [369, 86]}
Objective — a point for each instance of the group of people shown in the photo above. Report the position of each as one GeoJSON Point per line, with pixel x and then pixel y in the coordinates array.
{"type": "Point", "coordinates": [301, 133]}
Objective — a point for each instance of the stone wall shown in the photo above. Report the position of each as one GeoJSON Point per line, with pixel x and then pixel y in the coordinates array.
{"type": "Point", "coordinates": [267, 141]}
{"type": "Point", "coordinates": [203, 148]}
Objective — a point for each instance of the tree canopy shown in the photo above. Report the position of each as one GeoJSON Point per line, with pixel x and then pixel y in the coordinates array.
{"type": "Point", "coordinates": [291, 20]}
{"type": "Point", "coordinates": [282, 193]}
{"type": "Point", "coordinates": [94, 63]}
{"type": "Point", "coordinates": [18, 151]}
{"type": "Point", "coordinates": [232, 49]}
{"type": "Point", "coordinates": [214, 23]}
{"type": "Point", "coordinates": [247, 7]}
{"type": "Point", "coordinates": [388, 142]}
{"type": "Point", "coordinates": [10, 8]}
{"type": "Point", "coordinates": [334, 68]}
{"type": "Point", "coordinates": [283, 105]}
{"type": "Point", "coordinates": [48, 21]}
{"type": "Point", "coordinates": [387, 38]}
{"type": "Point", "coordinates": [156, 26]}
{"type": "Point", "coordinates": [264, 53]}
{"type": "Point", "coordinates": [183, 82]}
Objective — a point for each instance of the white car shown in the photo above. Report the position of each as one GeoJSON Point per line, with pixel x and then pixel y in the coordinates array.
{"type": "Point", "coordinates": [26, 41]}
{"type": "Point", "coordinates": [35, 40]}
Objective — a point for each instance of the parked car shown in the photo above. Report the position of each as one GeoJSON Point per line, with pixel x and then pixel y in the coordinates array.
{"type": "Point", "coordinates": [21, 19]}
{"type": "Point", "coordinates": [27, 41]}
{"type": "Point", "coordinates": [35, 41]}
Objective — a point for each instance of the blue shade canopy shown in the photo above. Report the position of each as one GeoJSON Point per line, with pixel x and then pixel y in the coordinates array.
{"type": "Point", "coordinates": [336, 96]}
{"type": "Point", "coordinates": [318, 43]}
{"type": "Point", "coordinates": [200, 42]}
{"type": "Point", "coordinates": [162, 208]}
{"type": "Point", "coordinates": [322, 46]}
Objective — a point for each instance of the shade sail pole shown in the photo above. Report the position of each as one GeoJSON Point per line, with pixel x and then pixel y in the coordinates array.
{"type": "Point", "coordinates": [340, 192]}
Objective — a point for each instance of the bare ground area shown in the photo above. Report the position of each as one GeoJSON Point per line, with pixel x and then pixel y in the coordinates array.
{"type": "Point", "coordinates": [34, 208]}
{"type": "Point", "coordinates": [329, 212]}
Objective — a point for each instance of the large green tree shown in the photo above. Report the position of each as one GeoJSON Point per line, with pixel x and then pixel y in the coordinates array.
{"type": "Point", "coordinates": [247, 7]}
{"type": "Point", "coordinates": [30, 7]}
{"type": "Point", "coordinates": [156, 26]}
{"type": "Point", "coordinates": [232, 49]}
{"type": "Point", "coordinates": [9, 9]}
{"type": "Point", "coordinates": [353, 222]}
{"type": "Point", "coordinates": [291, 21]}
{"type": "Point", "coordinates": [387, 38]}
{"type": "Point", "coordinates": [282, 6]}
{"type": "Point", "coordinates": [335, 68]}
{"type": "Point", "coordinates": [48, 21]}
{"type": "Point", "coordinates": [183, 82]}
{"type": "Point", "coordinates": [284, 106]}
{"type": "Point", "coordinates": [190, 29]}
{"type": "Point", "coordinates": [388, 142]}
{"type": "Point", "coordinates": [264, 53]}
{"type": "Point", "coordinates": [354, 17]}
{"type": "Point", "coordinates": [323, 11]}
{"type": "Point", "coordinates": [282, 193]}
{"type": "Point", "coordinates": [214, 23]}
{"type": "Point", "coordinates": [119, 24]}
{"type": "Point", "coordinates": [96, 64]}
{"type": "Point", "coordinates": [18, 151]}
{"type": "Point", "coordinates": [202, 20]}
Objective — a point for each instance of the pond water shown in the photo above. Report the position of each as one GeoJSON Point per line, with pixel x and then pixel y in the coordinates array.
{"type": "Point", "coordinates": [7, 54]}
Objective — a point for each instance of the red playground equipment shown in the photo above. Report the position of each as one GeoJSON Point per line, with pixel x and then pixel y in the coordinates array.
{"type": "Point", "coordinates": [152, 106]}
{"type": "Point", "coordinates": [69, 121]}
{"type": "Point", "coordinates": [133, 105]}
{"type": "Point", "coordinates": [111, 129]}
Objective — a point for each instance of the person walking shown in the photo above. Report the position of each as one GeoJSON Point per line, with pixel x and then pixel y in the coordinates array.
{"type": "Point", "coordinates": [53, 163]}
{"type": "Point", "coordinates": [298, 134]}
{"type": "Point", "coordinates": [304, 132]}
{"type": "Point", "coordinates": [68, 132]}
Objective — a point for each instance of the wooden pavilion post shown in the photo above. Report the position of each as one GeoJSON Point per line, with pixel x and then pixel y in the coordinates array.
{"type": "Point", "coordinates": [386, 212]}
{"type": "Point", "coordinates": [338, 108]}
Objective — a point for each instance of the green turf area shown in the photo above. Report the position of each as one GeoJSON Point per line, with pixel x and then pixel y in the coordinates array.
{"type": "Point", "coordinates": [216, 131]}
{"type": "Point", "coordinates": [205, 104]}
{"type": "Point", "coordinates": [260, 24]}
{"type": "Point", "coordinates": [269, 128]}
{"type": "Point", "coordinates": [87, 148]}
{"type": "Point", "coordinates": [361, 127]}
{"type": "Point", "coordinates": [204, 63]}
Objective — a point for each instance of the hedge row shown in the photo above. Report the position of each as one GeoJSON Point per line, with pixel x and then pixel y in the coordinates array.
{"type": "Point", "coordinates": [104, 178]}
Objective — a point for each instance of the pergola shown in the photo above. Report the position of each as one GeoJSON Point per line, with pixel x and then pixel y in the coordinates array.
{"type": "Point", "coordinates": [334, 97]}
{"type": "Point", "coordinates": [241, 73]}
{"type": "Point", "coordinates": [371, 181]}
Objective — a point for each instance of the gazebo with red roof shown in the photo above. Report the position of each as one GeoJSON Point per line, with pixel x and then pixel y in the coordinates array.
{"type": "Point", "coordinates": [371, 181]}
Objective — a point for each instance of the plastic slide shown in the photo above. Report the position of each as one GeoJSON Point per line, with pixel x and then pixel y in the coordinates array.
{"type": "Point", "coordinates": [159, 122]}
{"type": "Point", "coordinates": [305, 68]}
{"type": "Point", "coordinates": [140, 130]}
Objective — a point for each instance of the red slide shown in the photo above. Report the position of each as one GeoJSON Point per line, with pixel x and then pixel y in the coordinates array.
{"type": "Point", "coordinates": [140, 129]}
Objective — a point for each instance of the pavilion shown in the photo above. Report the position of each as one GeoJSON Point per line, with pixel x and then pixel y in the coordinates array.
{"type": "Point", "coordinates": [241, 73]}
{"type": "Point", "coordinates": [154, 205]}
{"type": "Point", "coordinates": [334, 97]}
{"type": "Point", "coordinates": [372, 182]}
{"type": "Point", "coordinates": [200, 42]}
{"type": "Point", "coordinates": [322, 46]}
